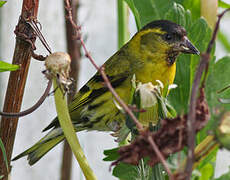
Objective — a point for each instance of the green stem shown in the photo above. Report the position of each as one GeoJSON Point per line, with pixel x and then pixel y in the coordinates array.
{"type": "Point", "coordinates": [2, 148]}
{"type": "Point", "coordinates": [123, 34]}
{"type": "Point", "coordinates": [123, 17]}
{"type": "Point", "coordinates": [69, 132]}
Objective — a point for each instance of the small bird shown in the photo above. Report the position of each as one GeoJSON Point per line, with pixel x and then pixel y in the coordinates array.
{"type": "Point", "coordinates": [150, 55]}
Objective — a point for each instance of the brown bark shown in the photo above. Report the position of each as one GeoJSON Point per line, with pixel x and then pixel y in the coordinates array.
{"type": "Point", "coordinates": [73, 48]}
{"type": "Point", "coordinates": [17, 80]}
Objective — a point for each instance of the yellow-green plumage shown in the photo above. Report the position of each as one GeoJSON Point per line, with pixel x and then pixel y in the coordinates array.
{"type": "Point", "coordinates": [150, 55]}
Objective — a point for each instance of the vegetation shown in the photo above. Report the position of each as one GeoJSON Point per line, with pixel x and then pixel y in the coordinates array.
{"type": "Point", "coordinates": [214, 94]}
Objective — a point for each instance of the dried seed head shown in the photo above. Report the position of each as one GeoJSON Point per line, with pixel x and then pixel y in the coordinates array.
{"type": "Point", "coordinates": [58, 66]}
{"type": "Point", "coordinates": [58, 63]}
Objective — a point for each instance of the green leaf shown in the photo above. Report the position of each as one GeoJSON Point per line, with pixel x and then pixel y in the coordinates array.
{"type": "Point", "coordinates": [171, 111]}
{"type": "Point", "coordinates": [7, 67]}
{"type": "Point", "coordinates": [207, 172]}
{"type": "Point", "coordinates": [140, 172]}
{"type": "Point", "coordinates": [218, 79]}
{"type": "Point", "coordinates": [199, 34]}
{"type": "Point", "coordinates": [2, 3]}
{"type": "Point", "coordinates": [223, 4]}
{"type": "Point", "coordinates": [149, 10]}
{"type": "Point", "coordinates": [193, 5]}
{"type": "Point", "coordinates": [176, 14]}
{"type": "Point", "coordinates": [178, 97]}
{"type": "Point", "coordinates": [135, 13]}
{"type": "Point", "coordinates": [4, 154]}
{"type": "Point", "coordinates": [207, 166]}
{"type": "Point", "coordinates": [126, 171]}
{"type": "Point", "coordinates": [111, 154]}
{"type": "Point", "coordinates": [146, 11]}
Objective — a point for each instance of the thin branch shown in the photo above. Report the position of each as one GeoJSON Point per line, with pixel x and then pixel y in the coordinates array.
{"type": "Point", "coordinates": [212, 42]}
{"type": "Point", "coordinates": [203, 66]}
{"type": "Point", "coordinates": [161, 157]}
{"type": "Point", "coordinates": [100, 69]}
{"type": "Point", "coordinates": [38, 57]}
{"type": "Point", "coordinates": [33, 108]}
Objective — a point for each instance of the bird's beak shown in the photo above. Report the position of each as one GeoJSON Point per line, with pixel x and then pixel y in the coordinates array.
{"type": "Point", "coordinates": [187, 47]}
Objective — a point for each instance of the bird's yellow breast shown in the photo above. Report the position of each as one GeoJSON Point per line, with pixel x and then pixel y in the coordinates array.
{"type": "Point", "coordinates": [157, 71]}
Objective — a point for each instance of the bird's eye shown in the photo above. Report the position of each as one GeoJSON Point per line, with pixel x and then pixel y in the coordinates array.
{"type": "Point", "coordinates": [168, 37]}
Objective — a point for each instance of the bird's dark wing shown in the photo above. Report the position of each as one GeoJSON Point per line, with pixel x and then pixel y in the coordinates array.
{"type": "Point", "coordinates": [117, 69]}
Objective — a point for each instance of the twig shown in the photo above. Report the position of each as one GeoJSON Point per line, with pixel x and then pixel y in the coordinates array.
{"type": "Point", "coordinates": [33, 108]}
{"type": "Point", "coordinates": [212, 42]}
{"type": "Point", "coordinates": [160, 156]}
{"type": "Point", "coordinates": [38, 57]}
{"type": "Point", "coordinates": [203, 66]}
{"type": "Point", "coordinates": [101, 69]}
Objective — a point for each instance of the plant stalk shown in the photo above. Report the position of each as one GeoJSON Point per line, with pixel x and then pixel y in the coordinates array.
{"type": "Point", "coordinates": [69, 132]}
{"type": "Point", "coordinates": [17, 81]}
{"type": "Point", "coordinates": [123, 22]}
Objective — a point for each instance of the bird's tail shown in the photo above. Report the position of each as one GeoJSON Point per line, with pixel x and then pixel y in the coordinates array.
{"type": "Point", "coordinates": [43, 146]}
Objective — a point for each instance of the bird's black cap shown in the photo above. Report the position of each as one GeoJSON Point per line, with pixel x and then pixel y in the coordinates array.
{"type": "Point", "coordinates": [166, 26]}
{"type": "Point", "coordinates": [174, 33]}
